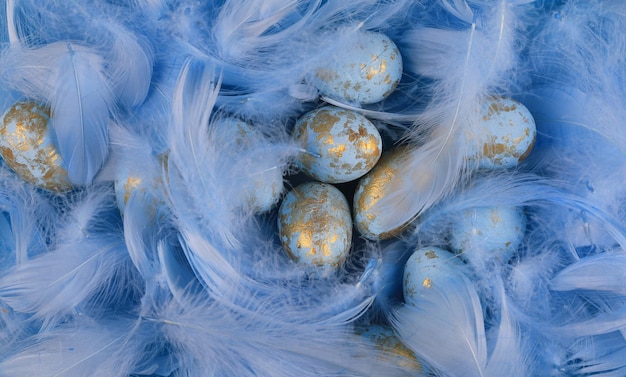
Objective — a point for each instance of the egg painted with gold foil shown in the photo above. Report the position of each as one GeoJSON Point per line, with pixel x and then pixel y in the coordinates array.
{"type": "Point", "coordinates": [265, 185]}
{"type": "Point", "coordinates": [29, 148]}
{"type": "Point", "coordinates": [505, 135]}
{"type": "Point", "coordinates": [314, 225]}
{"type": "Point", "coordinates": [377, 184]}
{"type": "Point", "coordinates": [366, 71]}
{"type": "Point", "coordinates": [428, 268]}
{"type": "Point", "coordinates": [488, 232]}
{"type": "Point", "coordinates": [341, 145]}
{"type": "Point", "coordinates": [386, 341]}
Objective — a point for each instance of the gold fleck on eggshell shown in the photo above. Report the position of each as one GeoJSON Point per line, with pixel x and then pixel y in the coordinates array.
{"type": "Point", "coordinates": [341, 145]}
{"type": "Point", "coordinates": [370, 190]}
{"type": "Point", "coordinates": [314, 225]}
{"type": "Point", "coordinates": [147, 182]}
{"type": "Point", "coordinates": [386, 341]}
{"type": "Point", "coordinates": [28, 147]}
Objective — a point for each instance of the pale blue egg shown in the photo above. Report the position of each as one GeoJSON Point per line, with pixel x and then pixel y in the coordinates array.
{"type": "Point", "coordinates": [505, 135]}
{"type": "Point", "coordinates": [29, 148]}
{"type": "Point", "coordinates": [341, 145]}
{"type": "Point", "coordinates": [264, 186]}
{"type": "Point", "coordinates": [365, 71]}
{"type": "Point", "coordinates": [386, 341]}
{"type": "Point", "coordinates": [488, 232]}
{"type": "Point", "coordinates": [314, 225]}
{"type": "Point", "coordinates": [428, 268]}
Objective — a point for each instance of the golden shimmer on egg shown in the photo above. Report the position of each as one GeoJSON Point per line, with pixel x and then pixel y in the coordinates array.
{"type": "Point", "coordinates": [371, 189]}
{"type": "Point", "coordinates": [130, 184]}
{"type": "Point", "coordinates": [342, 145]}
{"type": "Point", "coordinates": [498, 107]}
{"type": "Point", "coordinates": [313, 224]}
{"type": "Point", "coordinates": [496, 151]}
{"type": "Point", "coordinates": [427, 283]}
{"type": "Point", "coordinates": [386, 341]}
{"type": "Point", "coordinates": [26, 149]}
{"type": "Point", "coordinates": [372, 72]}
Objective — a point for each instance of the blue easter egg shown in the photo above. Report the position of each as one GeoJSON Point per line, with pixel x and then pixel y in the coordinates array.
{"type": "Point", "coordinates": [264, 186]}
{"type": "Point", "coordinates": [427, 268]}
{"type": "Point", "coordinates": [505, 135]}
{"type": "Point", "coordinates": [314, 225]}
{"type": "Point", "coordinates": [365, 71]}
{"type": "Point", "coordinates": [488, 231]}
{"type": "Point", "coordinates": [28, 147]}
{"type": "Point", "coordinates": [341, 145]}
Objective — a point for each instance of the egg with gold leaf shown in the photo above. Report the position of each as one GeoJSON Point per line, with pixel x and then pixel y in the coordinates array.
{"type": "Point", "coordinates": [127, 184]}
{"type": "Point", "coordinates": [427, 268]}
{"type": "Point", "coordinates": [377, 184]}
{"type": "Point", "coordinates": [505, 134]}
{"type": "Point", "coordinates": [340, 145]}
{"type": "Point", "coordinates": [263, 186]}
{"type": "Point", "coordinates": [365, 70]}
{"type": "Point", "coordinates": [147, 181]}
{"type": "Point", "coordinates": [488, 232]}
{"type": "Point", "coordinates": [386, 341]}
{"type": "Point", "coordinates": [315, 226]}
{"type": "Point", "coordinates": [28, 146]}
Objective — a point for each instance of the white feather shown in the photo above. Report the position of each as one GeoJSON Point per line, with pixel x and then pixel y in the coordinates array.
{"type": "Point", "coordinates": [602, 272]}
{"type": "Point", "coordinates": [80, 266]}
{"type": "Point", "coordinates": [466, 66]}
{"type": "Point", "coordinates": [76, 350]}
{"type": "Point", "coordinates": [445, 328]}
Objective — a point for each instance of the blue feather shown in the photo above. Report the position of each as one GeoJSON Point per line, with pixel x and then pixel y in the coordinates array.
{"type": "Point", "coordinates": [73, 275]}
{"type": "Point", "coordinates": [462, 66]}
{"type": "Point", "coordinates": [82, 348]}
{"type": "Point", "coordinates": [80, 113]}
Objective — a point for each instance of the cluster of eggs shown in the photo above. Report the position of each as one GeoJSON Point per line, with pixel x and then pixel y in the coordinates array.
{"type": "Point", "coordinates": [337, 146]}
{"type": "Point", "coordinates": [28, 146]}
{"type": "Point", "coordinates": [479, 235]}
{"type": "Point", "coordinates": [341, 145]}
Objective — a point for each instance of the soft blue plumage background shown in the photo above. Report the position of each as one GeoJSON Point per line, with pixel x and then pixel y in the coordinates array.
{"type": "Point", "coordinates": [189, 280]}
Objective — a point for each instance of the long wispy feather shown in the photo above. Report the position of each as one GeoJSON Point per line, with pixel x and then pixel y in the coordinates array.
{"type": "Point", "coordinates": [445, 327]}
{"type": "Point", "coordinates": [207, 160]}
{"type": "Point", "coordinates": [83, 81]}
{"type": "Point", "coordinates": [249, 319]}
{"type": "Point", "coordinates": [84, 263]}
{"type": "Point", "coordinates": [466, 64]}
{"type": "Point", "coordinates": [84, 348]}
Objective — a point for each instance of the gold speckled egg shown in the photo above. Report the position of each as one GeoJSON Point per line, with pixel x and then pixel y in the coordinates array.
{"type": "Point", "coordinates": [372, 188]}
{"type": "Point", "coordinates": [28, 147]}
{"type": "Point", "coordinates": [505, 135]}
{"type": "Point", "coordinates": [366, 70]}
{"type": "Point", "coordinates": [386, 341]}
{"type": "Point", "coordinates": [341, 145]}
{"type": "Point", "coordinates": [314, 225]}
